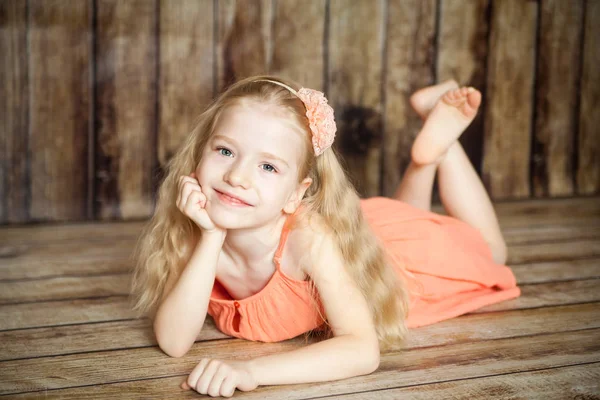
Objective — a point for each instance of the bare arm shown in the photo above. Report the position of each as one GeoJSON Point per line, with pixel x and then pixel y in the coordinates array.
{"type": "Point", "coordinates": [355, 348]}
{"type": "Point", "coordinates": [181, 314]}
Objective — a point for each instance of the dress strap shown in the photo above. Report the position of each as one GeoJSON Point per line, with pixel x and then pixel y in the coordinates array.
{"type": "Point", "coordinates": [284, 234]}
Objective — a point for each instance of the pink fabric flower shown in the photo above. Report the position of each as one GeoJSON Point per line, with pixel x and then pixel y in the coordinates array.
{"type": "Point", "coordinates": [320, 118]}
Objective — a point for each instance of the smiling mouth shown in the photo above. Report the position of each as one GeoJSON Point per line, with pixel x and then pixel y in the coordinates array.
{"type": "Point", "coordinates": [234, 201]}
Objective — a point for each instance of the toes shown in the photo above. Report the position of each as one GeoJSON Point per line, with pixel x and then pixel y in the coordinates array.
{"type": "Point", "coordinates": [474, 98]}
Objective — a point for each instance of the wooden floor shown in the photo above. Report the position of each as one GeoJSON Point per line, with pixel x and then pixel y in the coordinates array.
{"type": "Point", "coordinates": [66, 330]}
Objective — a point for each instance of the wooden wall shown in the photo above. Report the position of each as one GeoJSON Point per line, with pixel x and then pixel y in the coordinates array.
{"type": "Point", "coordinates": [95, 95]}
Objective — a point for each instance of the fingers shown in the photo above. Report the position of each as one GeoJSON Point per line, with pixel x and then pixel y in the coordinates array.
{"type": "Point", "coordinates": [228, 386]}
{"type": "Point", "coordinates": [207, 377]}
{"type": "Point", "coordinates": [216, 383]}
{"type": "Point", "coordinates": [192, 379]}
{"type": "Point", "coordinates": [186, 188]}
{"type": "Point", "coordinates": [191, 200]}
{"type": "Point", "coordinates": [212, 377]}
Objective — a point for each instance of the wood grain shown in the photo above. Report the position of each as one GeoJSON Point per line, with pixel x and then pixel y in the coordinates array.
{"type": "Point", "coordinates": [186, 62]}
{"type": "Point", "coordinates": [126, 108]}
{"type": "Point", "coordinates": [71, 339]}
{"type": "Point", "coordinates": [45, 309]}
{"type": "Point", "coordinates": [406, 368]}
{"type": "Point", "coordinates": [409, 66]}
{"type": "Point", "coordinates": [509, 110]}
{"type": "Point", "coordinates": [60, 116]}
{"type": "Point", "coordinates": [550, 294]}
{"type": "Point", "coordinates": [354, 76]}
{"type": "Point", "coordinates": [62, 340]}
{"type": "Point", "coordinates": [461, 55]}
{"type": "Point", "coordinates": [14, 113]}
{"type": "Point", "coordinates": [588, 165]}
{"type": "Point", "coordinates": [522, 221]}
{"type": "Point", "coordinates": [576, 382]}
{"type": "Point", "coordinates": [69, 232]}
{"type": "Point", "coordinates": [95, 348]}
{"type": "Point", "coordinates": [540, 252]}
{"type": "Point", "coordinates": [556, 271]}
{"type": "Point", "coordinates": [243, 42]}
{"type": "Point", "coordinates": [54, 313]}
{"type": "Point", "coordinates": [298, 48]}
{"type": "Point", "coordinates": [556, 96]}
{"type": "Point", "coordinates": [62, 288]}
{"type": "Point", "coordinates": [551, 233]}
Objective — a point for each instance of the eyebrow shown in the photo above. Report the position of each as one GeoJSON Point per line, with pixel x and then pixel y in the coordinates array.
{"type": "Point", "coordinates": [262, 154]}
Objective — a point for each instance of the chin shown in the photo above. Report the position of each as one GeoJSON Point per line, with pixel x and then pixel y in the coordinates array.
{"type": "Point", "coordinates": [231, 218]}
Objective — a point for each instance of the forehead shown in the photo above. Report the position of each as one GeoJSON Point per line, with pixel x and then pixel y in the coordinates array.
{"type": "Point", "coordinates": [261, 128]}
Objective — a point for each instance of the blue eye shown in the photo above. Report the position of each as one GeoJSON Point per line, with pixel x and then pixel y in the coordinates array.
{"type": "Point", "coordinates": [224, 152]}
{"type": "Point", "coordinates": [269, 168]}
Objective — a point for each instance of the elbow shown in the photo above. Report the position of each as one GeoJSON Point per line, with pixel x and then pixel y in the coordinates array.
{"type": "Point", "coordinates": [371, 356]}
{"type": "Point", "coordinates": [373, 363]}
{"type": "Point", "coordinates": [171, 346]}
{"type": "Point", "coordinates": [172, 349]}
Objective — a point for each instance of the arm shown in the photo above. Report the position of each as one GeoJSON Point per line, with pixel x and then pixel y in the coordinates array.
{"type": "Point", "coordinates": [354, 349]}
{"type": "Point", "coordinates": [181, 314]}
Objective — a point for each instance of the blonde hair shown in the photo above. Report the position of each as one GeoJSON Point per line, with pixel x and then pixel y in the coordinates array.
{"type": "Point", "coordinates": [163, 246]}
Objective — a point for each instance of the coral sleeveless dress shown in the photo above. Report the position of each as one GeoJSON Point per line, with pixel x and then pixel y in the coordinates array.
{"type": "Point", "coordinates": [448, 271]}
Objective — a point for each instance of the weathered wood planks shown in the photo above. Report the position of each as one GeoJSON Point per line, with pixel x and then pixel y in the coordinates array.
{"type": "Point", "coordinates": [509, 110]}
{"type": "Point", "coordinates": [126, 98]}
{"type": "Point", "coordinates": [409, 55]}
{"type": "Point", "coordinates": [74, 347]}
{"type": "Point", "coordinates": [462, 51]}
{"type": "Point", "coordinates": [588, 165]}
{"type": "Point", "coordinates": [406, 368]}
{"type": "Point", "coordinates": [185, 69]}
{"type": "Point", "coordinates": [298, 48]}
{"type": "Point", "coordinates": [60, 114]}
{"type": "Point", "coordinates": [556, 96]}
{"type": "Point", "coordinates": [14, 113]}
{"type": "Point", "coordinates": [354, 76]}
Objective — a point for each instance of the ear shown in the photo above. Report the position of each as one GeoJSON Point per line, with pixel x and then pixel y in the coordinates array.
{"type": "Point", "coordinates": [294, 202]}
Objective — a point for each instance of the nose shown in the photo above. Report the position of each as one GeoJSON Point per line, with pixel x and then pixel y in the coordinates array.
{"type": "Point", "coordinates": [238, 175]}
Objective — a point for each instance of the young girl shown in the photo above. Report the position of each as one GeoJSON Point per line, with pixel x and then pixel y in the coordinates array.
{"type": "Point", "coordinates": [257, 225]}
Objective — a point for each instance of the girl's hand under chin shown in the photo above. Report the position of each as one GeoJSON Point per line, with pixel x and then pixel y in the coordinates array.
{"type": "Point", "coordinates": [220, 378]}
{"type": "Point", "coordinates": [192, 202]}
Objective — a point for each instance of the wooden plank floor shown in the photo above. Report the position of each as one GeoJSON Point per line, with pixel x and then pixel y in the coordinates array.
{"type": "Point", "coordinates": [66, 330]}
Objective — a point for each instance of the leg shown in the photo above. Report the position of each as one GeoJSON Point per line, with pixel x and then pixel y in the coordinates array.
{"type": "Point", "coordinates": [461, 190]}
{"type": "Point", "coordinates": [464, 197]}
{"type": "Point", "coordinates": [417, 182]}
{"type": "Point", "coordinates": [416, 185]}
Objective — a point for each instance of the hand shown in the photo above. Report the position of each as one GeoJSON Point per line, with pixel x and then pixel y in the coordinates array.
{"type": "Point", "coordinates": [192, 202]}
{"type": "Point", "coordinates": [220, 378]}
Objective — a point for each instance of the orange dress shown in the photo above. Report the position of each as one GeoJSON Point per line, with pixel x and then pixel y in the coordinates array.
{"type": "Point", "coordinates": [448, 270]}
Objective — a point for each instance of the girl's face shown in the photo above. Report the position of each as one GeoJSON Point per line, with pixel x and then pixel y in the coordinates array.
{"type": "Point", "coordinates": [249, 168]}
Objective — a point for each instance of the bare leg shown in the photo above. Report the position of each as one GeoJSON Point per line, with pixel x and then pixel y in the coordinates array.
{"type": "Point", "coordinates": [417, 182]}
{"type": "Point", "coordinates": [416, 185]}
{"type": "Point", "coordinates": [464, 197]}
{"type": "Point", "coordinates": [461, 191]}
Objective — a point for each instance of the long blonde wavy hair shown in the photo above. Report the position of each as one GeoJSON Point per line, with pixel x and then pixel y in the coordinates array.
{"type": "Point", "coordinates": [164, 246]}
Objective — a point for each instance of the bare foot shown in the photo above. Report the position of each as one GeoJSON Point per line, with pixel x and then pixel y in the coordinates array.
{"type": "Point", "coordinates": [445, 123]}
{"type": "Point", "coordinates": [423, 100]}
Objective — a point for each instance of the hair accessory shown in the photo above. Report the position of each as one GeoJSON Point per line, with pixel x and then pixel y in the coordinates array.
{"type": "Point", "coordinates": [319, 113]}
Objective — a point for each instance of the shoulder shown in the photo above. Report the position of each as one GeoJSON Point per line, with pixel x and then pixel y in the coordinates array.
{"type": "Point", "coordinates": [310, 241]}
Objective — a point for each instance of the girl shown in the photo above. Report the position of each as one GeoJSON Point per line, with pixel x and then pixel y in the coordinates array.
{"type": "Point", "coordinates": [257, 225]}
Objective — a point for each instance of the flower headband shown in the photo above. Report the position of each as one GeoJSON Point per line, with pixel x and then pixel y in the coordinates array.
{"type": "Point", "coordinates": [319, 113]}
